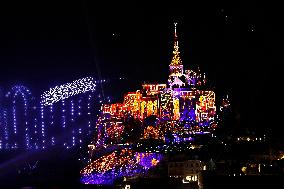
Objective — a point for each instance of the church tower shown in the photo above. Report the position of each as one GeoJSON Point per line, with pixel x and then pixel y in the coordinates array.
{"type": "Point", "coordinates": [176, 66]}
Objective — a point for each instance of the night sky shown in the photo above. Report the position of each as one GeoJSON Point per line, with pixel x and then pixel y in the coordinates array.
{"type": "Point", "coordinates": [45, 43]}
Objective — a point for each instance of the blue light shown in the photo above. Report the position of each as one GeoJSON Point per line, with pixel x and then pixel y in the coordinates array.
{"type": "Point", "coordinates": [29, 124]}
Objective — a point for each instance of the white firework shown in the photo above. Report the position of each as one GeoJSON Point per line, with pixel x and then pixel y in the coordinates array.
{"type": "Point", "coordinates": [67, 90]}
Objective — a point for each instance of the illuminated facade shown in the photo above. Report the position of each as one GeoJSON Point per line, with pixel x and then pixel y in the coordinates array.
{"type": "Point", "coordinates": [169, 113]}
{"type": "Point", "coordinates": [182, 106]}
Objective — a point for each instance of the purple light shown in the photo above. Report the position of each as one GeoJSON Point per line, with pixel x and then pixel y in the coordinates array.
{"type": "Point", "coordinates": [139, 164]}
{"type": "Point", "coordinates": [26, 123]}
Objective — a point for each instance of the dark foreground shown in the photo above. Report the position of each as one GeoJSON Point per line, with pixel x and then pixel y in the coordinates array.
{"type": "Point", "coordinates": [57, 170]}
{"type": "Point", "coordinates": [220, 182]}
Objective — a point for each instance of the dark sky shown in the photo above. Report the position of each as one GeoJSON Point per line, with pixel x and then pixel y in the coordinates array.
{"type": "Point", "coordinates": [44, 43]}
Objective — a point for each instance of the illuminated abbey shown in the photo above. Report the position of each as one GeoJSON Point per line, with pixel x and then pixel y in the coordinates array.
{"type": "Point", "coordinates": [181, 107]}
{"type": "Point", "coordinates": [134, 136]}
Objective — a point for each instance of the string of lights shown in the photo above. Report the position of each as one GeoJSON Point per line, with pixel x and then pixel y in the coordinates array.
{"type": "Point", "coordinates": [26, 123]}
{"type": "Point", "coordinates": [64, 91]}
{"type": "Point", "coordinates": [125, 162]}
{"type": "Point", "coordinates": [19, 95]}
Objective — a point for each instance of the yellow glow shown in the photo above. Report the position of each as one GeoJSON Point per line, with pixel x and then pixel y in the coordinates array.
{"type": "Point", "coordinates": [149, 108]}
{"type": "Point", "coordinates": [191, 178]}
{"type": "Point", "coordinates": [244, 170]}
{"type": "Point", "coordinates": [151, 132]}
{"type": "Point", "coordinates": [176, 109]}
{"type": "Point", "coordinates": [155, 109]}
{"type": "Point", "coordinates": [143, 106]}
{"type": "Point", "coordinates": [155, 162]}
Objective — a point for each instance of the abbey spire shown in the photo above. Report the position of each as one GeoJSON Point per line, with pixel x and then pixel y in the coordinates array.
{"type": "Point", "coordinates": [176, 66]}
{"type": "Point", "coordinates": [176, 60]}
